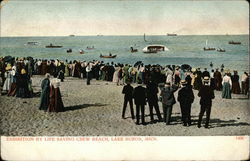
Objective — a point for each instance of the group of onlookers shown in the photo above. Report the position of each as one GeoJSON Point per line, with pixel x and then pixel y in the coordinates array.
{"type": "Point", "coordinates": [142, 96]}
{"type": "Point", "coordinates": [16, 74]}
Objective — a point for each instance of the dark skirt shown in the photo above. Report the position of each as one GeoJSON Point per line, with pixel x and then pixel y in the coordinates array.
{"type": "Point", "coordinates": [12, 91]}
{"type": "Point", "coordinates": [55, 103]}
{"type": "Point", "coordinates": [236, 88]}
{"type": "Point", "coordinates": [226, 91]}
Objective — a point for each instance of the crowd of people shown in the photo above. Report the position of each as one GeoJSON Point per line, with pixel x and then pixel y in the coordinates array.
{"type": "Point", "coordinates": [16, 74]}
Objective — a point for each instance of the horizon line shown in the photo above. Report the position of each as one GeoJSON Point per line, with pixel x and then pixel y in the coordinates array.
{"type": "Point", "coordinates": [100, 35]}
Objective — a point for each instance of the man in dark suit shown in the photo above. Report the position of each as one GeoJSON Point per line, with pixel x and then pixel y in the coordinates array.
{"type": "Point", "coordinates": [140, 102]}
{"type": "Point", "coordinates": [207, 94]}
{"type": "Point", "coordinates": [152, 98]}
{"type": "Point", "coordinates": [128, 95]}
{"type": "Point", "coordinates": [186, 98]}
{"type": "Point", "coordinates": [205, 73]}
{"type": "Point", "coordinates": [168, 100]}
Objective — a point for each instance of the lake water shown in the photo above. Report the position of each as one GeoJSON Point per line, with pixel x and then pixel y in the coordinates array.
{"type": "Point", "coordinates": [182, 49]}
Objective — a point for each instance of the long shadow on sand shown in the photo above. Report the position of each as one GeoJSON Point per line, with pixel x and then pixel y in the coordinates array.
{"type": "Point", "coordinates": [78, 107]}
{"type": "Point", "coordinates": [222, 123]}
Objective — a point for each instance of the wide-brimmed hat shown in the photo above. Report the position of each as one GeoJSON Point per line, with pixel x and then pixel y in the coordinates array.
{"type": "Point", "coordinates": [8, 67]}
{"type": "Point", "coordinates": [227, 71]}
{"type": "Point", "coordinates": [23, 71]}
{"type": "Point", "coordinates": [193, 69]}
{"type": "Point", "coordinates": [206, 79]}
{"type": "Point", "coordinates": [183, 82]}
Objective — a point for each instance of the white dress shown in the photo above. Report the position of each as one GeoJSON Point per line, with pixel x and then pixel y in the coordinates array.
{"type": "Point", "coordinates": [7, 83]}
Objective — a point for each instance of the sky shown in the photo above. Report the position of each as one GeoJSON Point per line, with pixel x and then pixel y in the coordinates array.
{"type": "Point", "coordinates": [121, 17]}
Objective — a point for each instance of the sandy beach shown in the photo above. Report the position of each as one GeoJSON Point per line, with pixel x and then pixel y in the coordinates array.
{"type": "Point", "coordinates": [95, 110]}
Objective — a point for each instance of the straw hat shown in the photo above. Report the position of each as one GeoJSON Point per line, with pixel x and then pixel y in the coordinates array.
{"type": "Point", "coordinates": [227, 71]}
{"type": "Point", "coordinates": [206, 79]}
{"type": "Point", "coordinates": [183, 82]}
{"type": "Point", "coordinates": [193, 69]}
{"type": "Point", "coordinates": [23, 71]}
{"type": "Point", "coordinates": [8, 67]}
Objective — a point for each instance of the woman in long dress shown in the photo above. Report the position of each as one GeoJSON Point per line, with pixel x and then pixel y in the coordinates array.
{"type": "Point", "coordinates": [115, 75]}
{"type": "Point", "coordinates": [12, 91]}
{"type": "Point", "coordinates": [44, 101]}
{"type": "Point", "coordinates": [226, 86]}
{"type": "Point", "coordinates": [23, 85]}
{"type": "Point", "coordinates": [7, 82]}
{"type": "Point", "coordinates": [235, 83]}
{"type": "Point", "coordinates": [55, 97]}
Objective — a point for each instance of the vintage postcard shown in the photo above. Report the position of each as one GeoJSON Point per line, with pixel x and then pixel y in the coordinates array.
{"type": "Point", "coordinates": [124, 80]}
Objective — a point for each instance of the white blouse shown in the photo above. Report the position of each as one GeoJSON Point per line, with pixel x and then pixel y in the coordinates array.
{"type": "Point", "coordinates": [227, 79]}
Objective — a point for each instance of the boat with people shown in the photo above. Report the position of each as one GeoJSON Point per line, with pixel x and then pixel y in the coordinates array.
{"type": "Point", "coordinates": [81, 51]}
{"type": "Point", "coordinates": [132, 50]}
{"type": "Point", "coordinates": [154, 48]}
{"type": "Point", "coordinates": [221, 50]}
{"type": "Point", "coordinates": [69, 51]}
{"type": "Point", "coordinates": [234, 42]}
{"type": "Point", "coordinates": [90, 48]}
{"type": "Point", "coordinates": [53, 46]}
{"type": "Point", "coordinates": [168, 34]}
{"type": "Point", "coordinates": [208, 48]}
{"type": "Point", "coordinates": [32, 43]}
{"type": "Point", "coordinates": [107, 56]}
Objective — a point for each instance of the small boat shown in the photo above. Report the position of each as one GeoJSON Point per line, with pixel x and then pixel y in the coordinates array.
{"type": "Point", "coordinates": [81, 51]}
{"type": "Point", "coordinates": [154, 48]}
{"type": "Point", "coordinates": [32, 43]}
{"type": "Point", "coordinates": [90, 48]}
{"type": "Point", "coordinates": [107, 56]}
{"type": "Point", "coordinates": [208, 48]}
{"type": "Point", "coordinates": [221, 50]}
{"type": "Point", "coordinates": [69, 51]}
{"type": "Point", "coordinates": [53, 46]}
{"type": "Point", "coordinates": [132, 50]}
{"type": "Point", "coordinates": [171, 34]}
{"type": "Point", "coordinates": [234, 42]}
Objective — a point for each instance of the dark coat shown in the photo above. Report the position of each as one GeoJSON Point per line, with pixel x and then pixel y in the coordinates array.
{"type": "Point", "coordinates": [128, 91]}
{"type": "Point", "coordinates": [186, 95]}
{"type": "Point", "coordinates": [207, 94]}
{"type": "Point", "coordinates": [167, 94]}
{"type": "Point", "coordinates": [152, 91]}
{"type": "Point", "coordinates": [45, 94]}
{"type": "Point", "coordinates": [140, 95]}
{"type": "Point", "coordinates": [205, 74]}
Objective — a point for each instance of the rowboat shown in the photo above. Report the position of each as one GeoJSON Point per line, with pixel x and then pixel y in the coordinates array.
{"type": "Point", "coordinates": [107, 56]}
{"type": "Point", "coordinates": [53, 46]}
{"type": "Point", "coordinates": [234, 43]}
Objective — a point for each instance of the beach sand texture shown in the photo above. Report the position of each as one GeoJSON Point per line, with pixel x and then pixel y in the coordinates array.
{"type": "Point", "coordinates": [95, 110]}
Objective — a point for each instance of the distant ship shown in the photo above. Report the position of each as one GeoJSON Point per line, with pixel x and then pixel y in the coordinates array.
{"type": "Point", "coordinates": [71, 35]}
{"type": "Point", "coordinates": [234, 42]}
{"type": "Point", "coordinates": [171, 34]}
{"type": "Point", "coordinates": [53, 46]}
